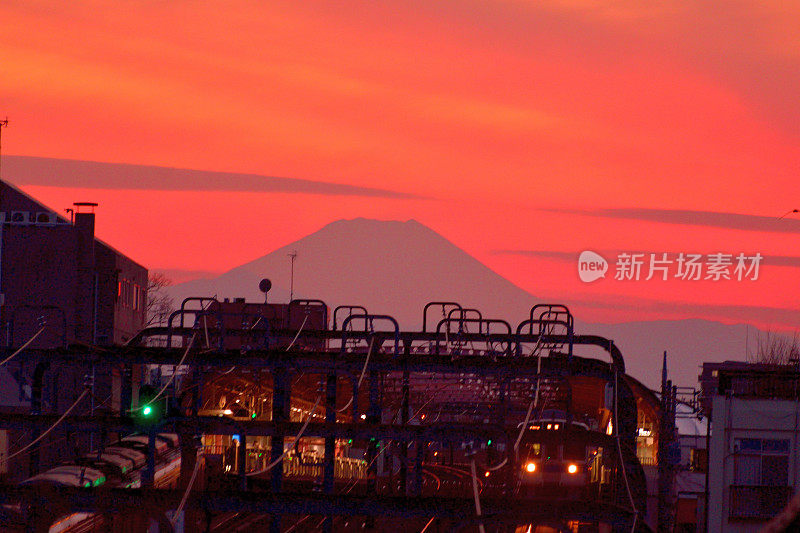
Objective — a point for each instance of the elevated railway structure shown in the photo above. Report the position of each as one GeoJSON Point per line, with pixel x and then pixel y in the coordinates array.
{"type": "Point", "coordinates": [293, 420]}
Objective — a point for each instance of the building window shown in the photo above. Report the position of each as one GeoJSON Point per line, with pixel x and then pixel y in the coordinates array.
{"type": "Point", "coordinates": [761, 477]}
{"type": "Point", "coordinates": [761, 462]}
{"type": "Point", "coordinates": [126, 294]}
{"type": "Point", "coordinates": [698, 460]}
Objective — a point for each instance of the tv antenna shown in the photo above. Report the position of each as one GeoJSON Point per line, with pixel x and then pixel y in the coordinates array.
{"type": "Point", "coordinates": [3, 124]}
{"type": "Point", "coordinates": [292, 257]}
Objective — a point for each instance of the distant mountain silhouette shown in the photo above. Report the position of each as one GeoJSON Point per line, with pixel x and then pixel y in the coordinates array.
{"type": "Point", "coordinates": [395, 268]}
{"type": "Point", "coordinates": [389, 267]}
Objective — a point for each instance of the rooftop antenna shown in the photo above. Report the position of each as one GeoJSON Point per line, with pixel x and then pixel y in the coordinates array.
{"type": "Point", "coordinates": [264, 286]}
{"type": "Point", "coordinates": [292, 257]}
{"type": "Point", "coordinates": [780, 217]}
{"type": "Point", "coordinates": [3, 124]}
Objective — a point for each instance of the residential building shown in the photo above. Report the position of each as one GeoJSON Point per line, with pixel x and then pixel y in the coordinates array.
{"type": "Point", "coordinates": [64, 286]}
{"type": "Point", "coordinates": [754, 453]}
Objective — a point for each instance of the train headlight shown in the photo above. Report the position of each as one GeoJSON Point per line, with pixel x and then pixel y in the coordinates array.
{"type": "Point", "coordinates": [572, 469]}
{"type": "Point", "coordinates": [530, 467]}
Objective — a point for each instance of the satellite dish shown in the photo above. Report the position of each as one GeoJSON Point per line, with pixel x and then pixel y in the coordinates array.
{"type": "Point", "coordinates": [264, 285]}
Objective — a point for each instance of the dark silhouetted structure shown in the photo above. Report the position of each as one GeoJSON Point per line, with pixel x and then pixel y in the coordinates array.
{"type": "Point", "coordinates": [56, 269]}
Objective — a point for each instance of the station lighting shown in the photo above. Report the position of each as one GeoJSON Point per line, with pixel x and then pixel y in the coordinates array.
{"type": "Point", "coordinates": [530, 467]}
{"type": "Point", "coordinates": [572, 469]}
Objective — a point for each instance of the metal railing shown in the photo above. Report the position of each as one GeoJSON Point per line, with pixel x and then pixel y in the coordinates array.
{"type": "Point", "coordinates": [748, 502]}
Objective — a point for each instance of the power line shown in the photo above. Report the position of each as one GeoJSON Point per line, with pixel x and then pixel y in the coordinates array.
{"type": "Point", "coordinates": [21, 348]}
{"type": "Point", "coordinates": [51, 428]}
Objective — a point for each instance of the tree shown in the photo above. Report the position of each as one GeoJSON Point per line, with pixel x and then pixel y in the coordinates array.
{"type": "Point", "coordinates": [775, 349]}
{"type": "Point", "coordinates": [159, 303]}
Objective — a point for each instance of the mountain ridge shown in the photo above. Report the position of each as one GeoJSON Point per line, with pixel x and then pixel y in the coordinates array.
{"type": "Point", "coordinates": [395, 267]}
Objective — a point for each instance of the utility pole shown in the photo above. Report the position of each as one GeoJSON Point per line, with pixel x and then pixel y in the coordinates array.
{"type": "Point", "coordinates": [292, 257]}
{"type": "Point", "coordinates": [3, 124]}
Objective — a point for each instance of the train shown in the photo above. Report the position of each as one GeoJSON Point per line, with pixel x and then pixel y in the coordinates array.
{"type": "Point", "coordinates": [120, 465]}
{"type": "Point", "coordinates": [558, 454]}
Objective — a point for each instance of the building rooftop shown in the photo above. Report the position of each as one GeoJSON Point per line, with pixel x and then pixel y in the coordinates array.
{"type": "Point", "coordinates": [748, 380]}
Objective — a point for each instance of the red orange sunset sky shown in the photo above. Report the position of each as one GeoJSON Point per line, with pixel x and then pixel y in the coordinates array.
{"type": "Point", "coordinates": [524, 132]}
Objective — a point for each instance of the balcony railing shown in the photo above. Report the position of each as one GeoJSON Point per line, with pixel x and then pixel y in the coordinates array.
{"type": "Point", "coordinates": [647, 461]}
{"type": "Point", "coordinates": [749, 502]}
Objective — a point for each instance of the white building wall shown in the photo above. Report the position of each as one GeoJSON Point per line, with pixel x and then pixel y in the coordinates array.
{"type": "Point", "coordinates": [737, 418]}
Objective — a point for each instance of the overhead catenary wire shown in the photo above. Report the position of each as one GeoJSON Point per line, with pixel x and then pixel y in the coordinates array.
{"type": "Point", "coordinates": [48, 430]}
{"type": "Point", "coordinates": [476, 495]}
{"type": "Point", "coordinates": [21, 348]}
{"type": "Point", "coordinates": [524, 425]}
{"type": "Point", "coordinates": [172, 377]}
{"type": "Point", "coordinates": [361, 377]}
{"type": "Point", "coordinates": [298, 334]}
{"type": "Point", "coordinates": [296, 438]}
{"type": "Point", "coordinates": [186, 493]}
{"type": "Point", "coordinates": [352, 484]}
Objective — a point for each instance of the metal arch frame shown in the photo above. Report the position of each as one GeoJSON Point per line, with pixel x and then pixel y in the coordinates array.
{"type": "Point", "coordinates": [349, 308]}
{"type": "Point", "coordinates": [463, 312]}
{"type": "Point", "coordinates": [200, 299]}
{"type": "Point", "coordinates": [555, 310]}
{"type": "Point", "coordinates": [309, 302]}
{"type": "Point", "coordinates": [409, 337]}
{"type": "Point", "coordinates": [197, 314]}
{"type": "Point", "coordinates": [432, 304]}
{"type": "Point", "coordinates": [370, 319]}
{"type": "Point", "coordinates": [480, 335]}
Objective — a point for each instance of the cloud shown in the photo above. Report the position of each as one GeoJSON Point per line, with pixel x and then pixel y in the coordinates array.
{"type": "Point", "coordinates": [714, 219]}
{"type": "Point", "coordinates": [547, 254]}
{"type": "Point", "coordinates": [42, 171]}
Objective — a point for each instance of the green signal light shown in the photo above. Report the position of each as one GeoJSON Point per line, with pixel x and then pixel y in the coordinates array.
{"type": "Point", "coordinates": [147, 410]}
{"type": "Point", "coordinates": [349, 441]}
{"type": "Point", "coordinates": [253, 415]}
{"type": "Point", "coordinates": [489, 442]}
